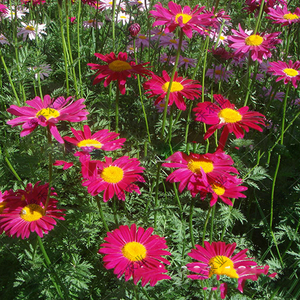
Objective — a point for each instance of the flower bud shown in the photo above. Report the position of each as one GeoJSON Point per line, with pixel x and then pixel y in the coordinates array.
{"type": "Point", "coordinates": [134, 29]}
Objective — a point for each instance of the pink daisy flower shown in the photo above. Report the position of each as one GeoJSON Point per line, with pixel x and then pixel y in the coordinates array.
{"type": "Point", "coordinates": [136, 253]}
{"type": "Point", "coordinates": [195, 170]}
{"type": "Point", "coordinates": [283, 16]}
{"type": "Point", "coordinates": [224, 187]}
{"type": "Point", "coordinates": [225, 114]}
{"type": "Point", "coordinates": [217, 259]}
{"type": "Point", "coordinates": [47, 112]}
{"type": "Point", "coordinates": [112, 177]}
{"type": "Point", "coordinates": [141, 40]}
{"type": "Point", "coordinates": [102, 139]}
{"type": "Point", "coordinates": [186, 62]}
{"type": "Point", "coordinates": [219, 73]}
{"type": "Point", "coordinates": [33, 2]}
{"type": "Point", "coordinates": [3, 40]}
{"type": "Point", "coordinates": [19, 218]}
{"type": "Point", "coordinates": [185, 18]}
{"type": "Point", "coordinates": [259, 45]}
{"type": "Point", "coordinates": [3, 9]}
{"type": "Point", "coordinates": [254, 5]}
{"type": "Point", "coordinates": [286, 71]}
{"type": "Point", "coordinates": [117, 68]}
{"type": "Point", "coordinates": [92, 23]}
{"type": "Point", "coordinates": [158, 34]}
{"type": "Point", "coordinates": [172, 43]}
{"type": "Point", "coordinates": [181, 87]}
{"type": "Point", "coordinates": [164, 58]}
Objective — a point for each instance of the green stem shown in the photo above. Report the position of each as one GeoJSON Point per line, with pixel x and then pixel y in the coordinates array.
{"type": "Point", "coordinates": [170, 83]}
{"type": "Point", "coordinates": [10, 80]}
{"type": "Point", "coordinates": [78, 47]}
{"type": "Point", "coordinates": [64, 47]}
{"type": "Point", "coordinates": [141, 96]}
{"type": "Point", "coordinates": [205, 225]}
{"type": "Point", "coordinates": [212, 223]}
{"type": "Point", "coordinates": [259, 16]}
{"type": "Point", "coordinates": [101, 213]}
{"type": "Point", "coordinates": [191, 222]}
{"type": "Point", "coordinates": [11, 167]}
{"type": "Point", "coordinates": [115, 211]}
{"type": "Point", "coordinates": [156, 193]}
{"type": "Point", "coordinates": [248, 79]}
{"type": "Point", "coordinates": [56, 281]}
{"type": "Point", "coordinates": [113, 20]}
{"type": "Point", "coordinates": [50, 168]}
{"type": "Point", "coordinates": [117, 109]}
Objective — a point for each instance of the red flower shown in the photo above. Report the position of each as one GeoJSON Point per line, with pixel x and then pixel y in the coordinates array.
{"type": "Point", "coordinates": [136, 253]}
{"type": "Point", "coordinates": [117, 68]}
{"type": "Point", "coordinates": [181, 87]}
{"type": "Point", "coordinates": [112, 177]}
{"type": "Point", "coordinates": [226, 115]}
{"type": "Point", "coordinates": [187, 19]}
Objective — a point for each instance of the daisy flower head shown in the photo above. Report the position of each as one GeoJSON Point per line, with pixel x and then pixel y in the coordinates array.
{"type": "Point", "coordinates": [140, 4]}
{"type": "Point", "coordinates": [224, 187]}
{"type": "Point", "coordinates": [108, 4]}
{"type": "Point", "coordinates": [14, 13]}
{"type": "Point", "coordinates": [217, 259]}
{"type": "Point", "coordinates": [164, 58]}
{"type": "Point", "coordinates": [270, 94]}
{"type": "Point", "coordinates": [134, 29]}
{"type": "Point", "coordinates": [171, 42]}
{"type": "Point", "coordinates": [43, 71]}
{"type": "Point", "coordinates": [225, 114]}
{"type": "Point", "coordinates": [3, 9]}
{"type": "Point", "coordinates": [117, 68]}
{"type": "Point", "coordinates": [31, 30]}
{"type": "Point", "coordinates": [123, 17]}
{"type": "Point", "coordinates": [221, 53]}
{"type": "Point", "coordinates": [195, 170]}
{"type": "Point", "coordinates": [136, 253]}
{"type": "Point", "coordinates": [186, 62]}
{"type": "Point", "coordinates": [219, 73]}
{"type": "Point", "coordinates": [259, 45]}
{"type": "Point", "coordinates": [47, 112]}
{"type": "Point", "coordinates": [92, 23]}
{"type": "Point", "coordinates": [3, 40]}
{"type": "Point", "coordinates": [102, 139]}
{"type": "Point", "coordinates": [281, 15]}
{"type": "Point", "coordinates": [141, 40]}
{"type": "Point", "coordinates": [157, 34]}
{"type": "Point", "coordinates": [33, 2]}
{"type": "Point", "coordinates": [286, 71]}
{"type": "Point", "coordinates": [181, 87]}
{"type": "Point", "coordinates": [29, 214]}
{"type": "Point", "coordinates": [187, 19]}
{"type": "Point", "coordinates": [112, 177]}
{"type": "Point", "coordinates": [254, 5]}
{"type": "Point", "coordinates": [161, 107]}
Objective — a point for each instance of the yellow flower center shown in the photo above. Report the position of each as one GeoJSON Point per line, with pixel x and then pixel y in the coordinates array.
{"type": "Point", "coordinates": [290, 16]}
{"type": "Point", "coordinates": [291, 72]}
{"type": "Point", "coordinates": [32, 212]}
{"type": "Point", "coordinates": [123, 17]}
{"type": "Point", "coordinates": [185, 60]}
{"type": "Point", "coordinates": [228, 115]}
{"type": "Point", "coordinates": [119, 66]}
{"type": "Point", "coordinates": [142, 37]}
{"type": "Point", "coordinates": [222, 38]}
{"type": "Point", "coordinates": [185, 18]}
{"type": "Point", "coordinates": [176, 86]}
{"type": "Point", "coordinates": [112, 174]}
{"type": "Point", "coordinates": [218, 189]}
{"type": "Point", "coordinates": [173, 41]}
{"type": "Point", "coordinates": [90, 21]}
{"type": "Point", "coordinates": [90, 143]}
{"type": "Point", "coordinates": [206, 164]}
{"type": "Point", "coordinates": [222, 265]}
{"type": "Point", "coordinates": [254, 40]}
{"type": "Point", "coordinates": [2, 206]}
{"type": "Point", "coordinates": [48, 113]}
{"type": "Point", "coordinates": [134, 251]}
{"type": "Point", "coordinates": [29, 27]}
{"type": "Point", "coordinates": [218, 72]}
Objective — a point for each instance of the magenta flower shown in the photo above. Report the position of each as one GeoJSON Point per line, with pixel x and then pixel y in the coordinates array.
{"type": "Point", "coordinates": [102, 139]}
{"type": "Point", "coordinates": [136, 253]}
{"type": "Point", "coordinates": [185, 18]}
{"type": "Point", "coordinates": [234, 120]}
{"type": "Point", "coordinates": [47, 112]}
{"type": "Point", "coordinates": [66, 165]}
{"type": "Point", "coordinates": [287, 71]}
{"type": "Point", "coordinates": [283, 16]}
{"type": "Point", "coordinates": [259, 45]}
{"type": "Point", "coordinates": [217, 259]}
{"type": "Point", "coordinates": [112, 177]}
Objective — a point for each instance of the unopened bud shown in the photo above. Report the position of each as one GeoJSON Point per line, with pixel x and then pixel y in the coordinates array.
{"type": "Point", "coordinates": [134, 29]}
